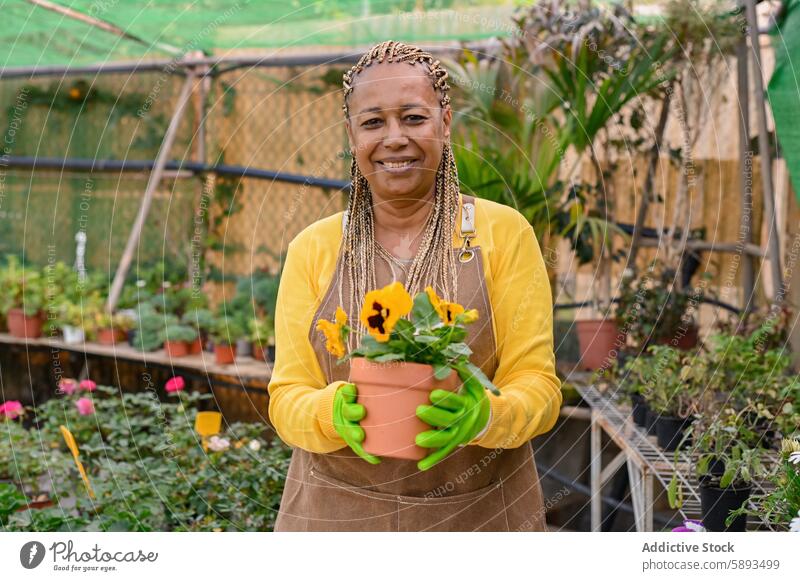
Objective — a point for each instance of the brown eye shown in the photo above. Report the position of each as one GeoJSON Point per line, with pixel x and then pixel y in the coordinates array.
{"type": "Point", "coordinates": [370, 122]}
{"type": "Point", "coordinates": [415, 118]}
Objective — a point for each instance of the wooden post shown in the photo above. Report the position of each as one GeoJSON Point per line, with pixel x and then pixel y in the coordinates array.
{"type": "Point", "coordinates": [152, 184]}
{"type": "Point", "coordinates": [773, 243]}
{"type": "Point", "coordinates": [647, 189]}
{"type": "Point", "coordinates": [746, 177]}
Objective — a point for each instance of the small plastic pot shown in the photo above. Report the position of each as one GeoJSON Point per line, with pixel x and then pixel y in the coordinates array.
{"type": "Point", "coordinates": [650, 422]}
{"type": "Point", "coordinates": [639, 409]}
{"type": "Point", "coordinates": [669, 431]}
{"type": "Point", "coordinates": [717, 503]}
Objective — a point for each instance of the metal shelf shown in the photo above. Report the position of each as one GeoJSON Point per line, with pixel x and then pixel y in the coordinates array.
{"type": "Point", "coordinates": [645, 462]}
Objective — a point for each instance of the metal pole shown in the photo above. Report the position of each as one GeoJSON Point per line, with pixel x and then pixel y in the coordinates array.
{"type": "Point", "coordinates": [773, 245]}
{"type": "Point", "coordinates": [263, 60]}
{"type": "Point", "coordinates": [152, 184]}
{"type": "Point", "coordinates": [746, 171]}
{"type": "Point", "coordinates": [101, 24]}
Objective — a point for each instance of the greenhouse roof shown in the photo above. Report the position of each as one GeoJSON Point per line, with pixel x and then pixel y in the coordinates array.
{"type": "Point", "coordinates": [36, 33]}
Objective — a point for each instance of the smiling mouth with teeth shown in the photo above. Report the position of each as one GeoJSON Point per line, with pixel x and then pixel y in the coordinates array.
{"type": "Point", "coordinates": [397, 164]}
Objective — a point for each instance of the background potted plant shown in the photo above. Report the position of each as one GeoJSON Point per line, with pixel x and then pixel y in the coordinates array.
{"type": "Point", "coordinates": [23, 302]}
{"type": "Point", "coordinates": [728, 460]}
{"type": "Point", "coordinates": [111, 328]}
{"type": "Point", "coordinates": [781, 505]}
{"type": "Point", "coordinates": [178, 338]}
{"type": "Point", "coordinates": [202, 320]}
{"type": "Point", "coordinates": [400, 361]}
{"type": "Point", "coordinates": [225, 332]}
{"type": "Point", "coordinates": [262, 336]}
{"type": "Point", "coordinates": [669, 393]}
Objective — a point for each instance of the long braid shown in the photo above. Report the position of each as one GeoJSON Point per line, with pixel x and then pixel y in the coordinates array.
{"type": "Point", "coordinates": [435, 262]}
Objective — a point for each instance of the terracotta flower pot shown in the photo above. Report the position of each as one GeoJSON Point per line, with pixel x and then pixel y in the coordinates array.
{"type": "Point", "coordinates": [259, 352]}
{"type": "Point", "coordinates": [176, 348]}
{"type": "Point", "coordinates": [24, 326]}
{"type": "Point", "coordinates": [196, 346]}
{"type": "Point", "coordinates": [598, 340]}
{"type": "Point", "coordinates": [224, 354]}
{"type": "Point", "coordinates": [390, 393]}
{"type": "Point", "coordinates": [109, 336]}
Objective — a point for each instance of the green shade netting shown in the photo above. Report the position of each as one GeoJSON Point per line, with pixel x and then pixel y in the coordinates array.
{"type": "Point", "coordinates": [32, 35]}
{"type": "Point", "coordinates": [784, 89]}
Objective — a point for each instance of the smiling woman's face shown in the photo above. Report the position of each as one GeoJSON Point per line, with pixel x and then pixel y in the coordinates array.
{"type": "Point", "coordinates": [397, 129]}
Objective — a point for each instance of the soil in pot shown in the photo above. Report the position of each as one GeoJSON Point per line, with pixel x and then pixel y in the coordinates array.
{"type": "Point", "coordinates": [717, 503]}
{"type": "Point", "coordinates": [224, 354]}
{"type": "Point", "coordinates": [599, 341]}
{"type": "Point", "coordinates": [390, 392]}
{"type": "Point", "coordinates": [24, 326]}
{"type": "Point", "coordinates": [110, 336]}
{"type": "Point", "coordinates": [638, 409]}
{"type": "Point", "coordinates": [669, 431]}
{"type": "Point", "coordinates": [176, 348]}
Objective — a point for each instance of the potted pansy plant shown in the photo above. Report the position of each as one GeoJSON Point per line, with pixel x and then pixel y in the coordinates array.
{"type": "Point", "coordinates": [413, 354]}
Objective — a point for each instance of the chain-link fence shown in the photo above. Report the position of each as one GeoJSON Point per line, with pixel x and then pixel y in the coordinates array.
{"type": "Point", "coordinates": [287, 120]}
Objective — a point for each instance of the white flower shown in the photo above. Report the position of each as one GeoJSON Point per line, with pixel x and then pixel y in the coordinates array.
{"type": "Point", "coordinates": [217, 444]}
{"type": "Point", "coordinates": [254, 445]}
{"type": "Point", "coordinates": [794, 458]}
{"type": "Point", "coordinates": [794, 526]}
{"type": "Point", "coordinates": [166, 284]}
{"type": "Point", "coordinates": [140, 283]}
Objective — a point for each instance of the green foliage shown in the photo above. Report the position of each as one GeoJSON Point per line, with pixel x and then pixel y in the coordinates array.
{"type": "Point", "coordinates": [226, 330]}
{"type": "Point", "coordinates": [178, 332]}
{"type": "Point", "coordinates": [652, 307]}
{"type": "Point", "coordinates": [425, 339]}
{"type": "Point", "coordinates": [147, 468]}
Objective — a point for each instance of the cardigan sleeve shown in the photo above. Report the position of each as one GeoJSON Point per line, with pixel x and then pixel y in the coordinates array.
{"type": "Point", "coordinates": [530, 391]}
{"type": "Point", "coordinates": [300, 403]}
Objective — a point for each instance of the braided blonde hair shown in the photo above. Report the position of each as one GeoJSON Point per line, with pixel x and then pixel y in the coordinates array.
{"type": "Point", "coordinates": [434, 263]}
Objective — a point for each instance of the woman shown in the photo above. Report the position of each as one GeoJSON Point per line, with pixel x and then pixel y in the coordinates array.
{"type": "Point", "coordinates": [406, 220]}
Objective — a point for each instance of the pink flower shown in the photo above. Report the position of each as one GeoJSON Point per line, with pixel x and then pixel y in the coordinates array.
{"type": "Point", "coordinates": [11, 409]}
{"type": "Point", "coordinates": [88, 385]}
{"type": "Point", "coordinates": [85, 406]}
{"type": "Point", "coordinates": [67, 386]}
{"type": "Point", "coordinates": [175, 384]}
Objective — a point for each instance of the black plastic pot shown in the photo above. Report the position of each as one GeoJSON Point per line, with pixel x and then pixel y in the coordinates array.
{"type": "Point", "coordinates": [650, 422]}
{"type": "Point", "coordinates": [639, 409]}
{"type": "Point", "coordinates": [271, 352]}
{"type": "Point", "coordinates": [669, 430]}
{"type": "Point", "coordinates": [717, 503]}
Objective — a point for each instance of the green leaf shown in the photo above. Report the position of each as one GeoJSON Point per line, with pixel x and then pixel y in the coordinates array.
{"type": "Point", "coordinates": [441, 371]}
{"type": "Point", "coordinates": [427, 339]}
{"type": "Point", "coordinates": [423, 314]}
{"type": "Point", "coordinates": [727, 477]}
{"type": "Point", "coordinates": [388, 357]}
{"type": "Point", "coordinates": [481, 377]}
{"type": "Point", "coordinates": [457, 349]}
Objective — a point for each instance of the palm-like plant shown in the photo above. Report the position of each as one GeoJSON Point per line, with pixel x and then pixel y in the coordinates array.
{"type": "Point", "coordinates": [554, 90]}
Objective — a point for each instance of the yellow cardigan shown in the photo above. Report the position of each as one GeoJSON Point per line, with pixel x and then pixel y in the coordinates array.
{"type": "Point", "coordinates": [301, 402]}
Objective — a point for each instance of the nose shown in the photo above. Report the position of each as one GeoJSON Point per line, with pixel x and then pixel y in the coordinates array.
{"type": "Point", "coordinates": [395, 134]}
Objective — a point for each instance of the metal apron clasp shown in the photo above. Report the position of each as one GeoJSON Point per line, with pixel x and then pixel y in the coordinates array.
{"type": "Point", "coordinates": [466, 254]}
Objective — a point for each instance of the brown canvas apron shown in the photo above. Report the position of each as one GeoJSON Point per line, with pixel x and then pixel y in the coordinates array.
{"type": "Point", "coordinates": [474, 489]}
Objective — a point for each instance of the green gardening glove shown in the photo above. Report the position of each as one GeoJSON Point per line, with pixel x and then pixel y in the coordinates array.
{"type": "Point", "coordinates": [346, 415]}
{"type": "Point", "coordinates": [459, 417]}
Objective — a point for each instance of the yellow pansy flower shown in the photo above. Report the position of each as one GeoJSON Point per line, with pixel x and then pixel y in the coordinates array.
{"type": "Point", "coordinates": [470, 316]}
{"type": "Point", "coordinates": [333, 332]}
{"type": "Point", "coordinates": [383, 308]}
{"type": "Point", "coordinates": [447, 311]}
